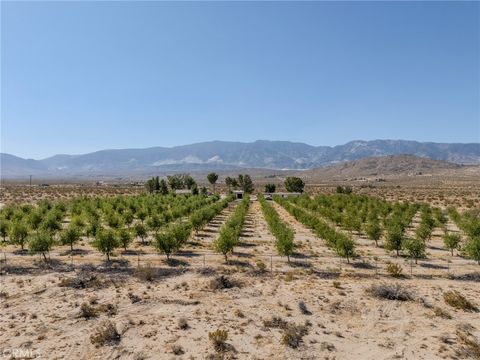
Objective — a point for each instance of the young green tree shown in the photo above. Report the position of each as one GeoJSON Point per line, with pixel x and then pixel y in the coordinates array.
{"type": "Point", "coordinates": [270, 188]}
{"type": "Point", "coordinates": [4, 226]}
{"type": "Point", "coordinates": [106, 241]}
{"type": "Point", "coordinates": [189, 182]}
{"type": "Point", "coordinates": [41, 242]}
{"type": "Point", "coordinates": [415, 248]}
{"type": "Point", "coordinates": [226, 242]}
{"type": "Point", "coordinates": [394, 238]}
{"type": "Point", "coordinates": [452, 241]}
{"type": "Point", "coordinates": [18, 233]}
{"type": "Point", "coordinates": [345, 247]}
{"type": "Point", "coordinates": [166, 243]}
{"type": "Point", "coordinates": [212, 179]}
{"type": "Point", "coordinates": [294, 184]}
{"type": "Point", "coordinates": [70, 236]}
{"type": "Point", "coordinates": [154, 223]}
{"type": "Point", "coordinates": [163, 187]}
{"type": "Point", "coordinates": [423, 232]}
{"type": "Point", "coordinates": [284, 243]}
{"type": "Point", "coordinates": [141, 231]}
{"type": "Point", "coordinates": [245, 182]}
{"type": "Point", "coordinates": [373, 230]}
{"type": "Point", "coordinates": [124, 237]}
{"type": "Point", "coordinates": [472, 248]}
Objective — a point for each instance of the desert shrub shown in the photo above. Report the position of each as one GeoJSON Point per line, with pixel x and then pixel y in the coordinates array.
{"type": "Point", "coordinates": [337, 285]}
{"type": "Point", "coordinates": [441, 313]}
{"type": "Point", "coordinates": [105, 334]}
{"type": "Point", "coordinates": [293, 335]}
{"type": "Point", "coordinates": [456, 300]}
{"type": "Point", "coordinates": [394, 269]}
{"type": "Point", "coordinates": [221, 282]}
{"type": "Point", "coordinates": [87, 311]}
{"type": "Point", "coordinates": [183, 323]}
{"type": "Point", "coordinates": [261, 265]}
{"type": "Point", "coordinates": [177, 349]}
{"type": "Point", "coordinates": [469, 344]}
{"type": "Point", "coordinates": [390, 292]}
{"type": "Point", "coordinates": [303, 308]}
{"type": "Point", "coordinates": [146, 273]}
{"type": "Point", "coordinates": [218, 339]}
{"type": "Point", "coordinates": [275, 322]}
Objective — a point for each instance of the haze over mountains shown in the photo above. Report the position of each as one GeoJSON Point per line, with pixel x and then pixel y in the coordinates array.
{"type": "Point", "coordinates": [222, 155]}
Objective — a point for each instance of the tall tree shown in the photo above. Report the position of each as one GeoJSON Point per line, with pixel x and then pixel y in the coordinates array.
{"type": "Point", "coordinates": [270, 188]}
{"type": "Point", "coordinates": [212, 179]}
{"type": "Point", "coordinates": [245, 182]}
{"type": "Point", "coordinates": [294, 184]}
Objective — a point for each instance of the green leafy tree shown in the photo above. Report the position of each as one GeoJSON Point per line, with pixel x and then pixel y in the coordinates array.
{"type": "Point", "coordinates": [41, 242]}
{"type": "Point", "coordinates": [4, 226]}
{"type": "Point", "coordinates": [163, 187]}
{"type": "Point", "coordinates": [394, 238]}
{"type": "Point", "coordinates": [452, 241]}
{"type": "Point", "coordinates": [374, 230]}
{"type": "Point", "coordinates": [212, 179]}
{"type": "Point", "coordinates": [34, 220]}
{"type": "Point", "coordinates": [270, 188]}
{"type": "Point", "coordinates": [18, 234]}
{"type": "Point", "coordinates": [472, 248]}
{"type": "Point", "coordinates": [154, 223]}
{"type": "Point", "coordinates": [51, 223]}
{"type": "Point", "coordinates": [189, 182]}
{"type": "Point", "coordinates": [226, 242]}
{"type": "Point", "coordinates": [245, 182]}
{"type": "Point", "coordinates": [415, 248]}
{"type": "Point", "coordinates": [294, 184]}
{"type": "Point", "coordinates": [345, 247]}
{"type": "Point", "coordinates": [284, 244]}
{"type": "Point", "coordinates": [423, 232]}
{"type": "Point", "coordinates": [106, 241]}
{"type": "Point", "coordinates": [175, 182]}
{"type": "Point", "coordinates": [141, 231]}
{"type": "Point", "coordinates": [124, 237]}
{"type": "Point", "coordinates": [166, 243]}
{"type": "Point", "coordinates": [70, 235]}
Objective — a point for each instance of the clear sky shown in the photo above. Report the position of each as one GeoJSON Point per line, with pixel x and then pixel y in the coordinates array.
{"type": "Point", "coordinates": [79, 77]}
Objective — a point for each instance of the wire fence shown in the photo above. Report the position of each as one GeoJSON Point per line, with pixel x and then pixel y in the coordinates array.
{"type": "Point", "coordinates": [365, 266]}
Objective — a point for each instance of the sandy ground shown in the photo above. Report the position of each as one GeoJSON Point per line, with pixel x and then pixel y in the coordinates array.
{"type": "Point", "coordinates": [41, 317]}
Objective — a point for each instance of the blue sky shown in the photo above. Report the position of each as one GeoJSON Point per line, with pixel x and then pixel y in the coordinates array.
{"type": "Point", "coordinates": [79, 77]}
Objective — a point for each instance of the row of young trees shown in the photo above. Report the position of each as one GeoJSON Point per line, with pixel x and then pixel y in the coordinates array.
{"type": "Point", "coordinates": [232, 229]}
{"type": "Point", "coordinates": [377, 219]}
{"type": "Point", "coordinates": [341, 243]}
{"type": "Point", "coordinates": [283, 233]}
{"type": "Point", "coordinates": [108, 222]}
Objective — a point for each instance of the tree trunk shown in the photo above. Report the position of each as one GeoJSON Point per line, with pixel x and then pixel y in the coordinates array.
{"type": "Point", "coordinates": [71, 247]}
{"type": "Point", "coordinates": [225, 255]}
{"type": "Point", "coordinates": [452, 252]}
{"type": "Point", "coordinates": [44, 257]}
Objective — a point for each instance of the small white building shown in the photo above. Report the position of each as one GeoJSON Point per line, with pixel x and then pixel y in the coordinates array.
{"type": "Point", "coordinates": [182, 192]}
{"type": "Point", "coordinates": [238, 194]}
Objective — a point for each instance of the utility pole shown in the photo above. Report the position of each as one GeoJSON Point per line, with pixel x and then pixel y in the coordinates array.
{"type": "Point", "coordinates": [30, 180]}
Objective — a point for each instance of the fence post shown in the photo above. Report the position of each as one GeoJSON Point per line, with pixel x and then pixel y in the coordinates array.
{"type": "Point", "coordinates": [411, 267]}
{"type": "Point", "coordinates": [376, 267]}
{"type": "Point", "coordinates": [203, 260]}
{"type": "Point", "coordinates": [138, 261]}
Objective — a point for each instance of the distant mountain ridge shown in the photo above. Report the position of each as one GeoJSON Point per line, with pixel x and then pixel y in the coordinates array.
{"type": "Point", "coordinates": [218, 155]}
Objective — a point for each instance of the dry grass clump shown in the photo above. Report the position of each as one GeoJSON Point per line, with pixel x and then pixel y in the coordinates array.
{"type": "Point", "coordinates": [177, 349]}
{"type": "Point", "coordinates": [183, 323]}
{"type": "Point", "coordinates": [146, 273]}
{"type": "Point", "coordinates": [222, 282]}
{"type": "Point", "coordinates": [105, 334]}
{"type": "Point", "coordinates": [87, 311]}
{"type": "Point", "coordinates": [82, 282]}
{"type": "Point", "coordinates": [303, 308]}
{"type": "Point", "coordinates": [394, 270]}
{"type": "Point", "coordinates": [275, 322]}
{"type": "Point", "coordinates": [390, 292]}
{"type": "Point", "coordinates": [293, 335]}
{"type": "Point", "coordinates": [441, 313]}
{"type": "Point", "coordinates": [469, 345]}
{"type": "Point", "coordinates": [458, 301]}
{"type": "Point", "coordinates": [218, 339]}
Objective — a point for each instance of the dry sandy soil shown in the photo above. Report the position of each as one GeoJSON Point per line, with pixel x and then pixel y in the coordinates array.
{"type": "Point", "coordinates": [164, 312]}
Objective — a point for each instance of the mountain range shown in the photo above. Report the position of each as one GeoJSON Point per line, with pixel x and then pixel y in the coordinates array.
{"type": "Point", "coordinates": [222, 155]}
